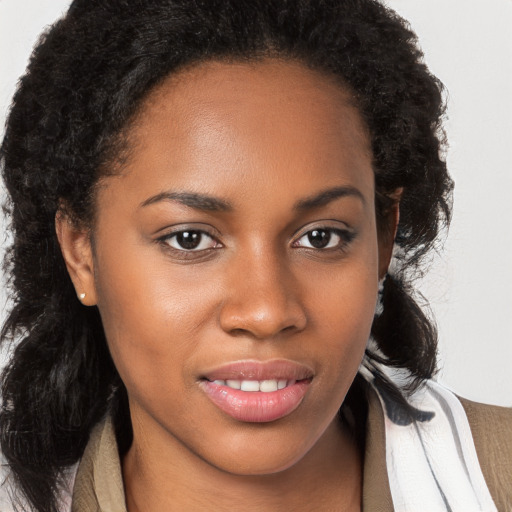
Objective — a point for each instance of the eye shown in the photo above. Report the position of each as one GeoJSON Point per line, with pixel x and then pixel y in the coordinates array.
{"type": "Point", "coordinates": [190, 240]}
{"type": "Point", "coordinates": [324, 238]}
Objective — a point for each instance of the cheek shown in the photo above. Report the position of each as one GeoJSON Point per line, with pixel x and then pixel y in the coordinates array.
{"type": "Point", "coordinates": [345, 324]}
{"type": "Point", "coordinates": [151, 316]}
{"type": "Point", "coordinates": [342, 312]}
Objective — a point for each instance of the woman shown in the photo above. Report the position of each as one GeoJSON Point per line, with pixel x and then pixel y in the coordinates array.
{"type": "Point", "coordinates": [205, 200]}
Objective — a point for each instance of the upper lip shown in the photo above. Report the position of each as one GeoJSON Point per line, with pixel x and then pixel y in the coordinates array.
{"type": "Point", "coordinates": [260, 370]}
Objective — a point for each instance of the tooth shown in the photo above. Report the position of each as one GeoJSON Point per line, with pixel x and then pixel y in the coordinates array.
{"type": "Point", "coordinates": [250, 385]}
{"type": "Point", "coordinates": [220, 382]}
{"type": "Point", "coordinates": [268, 385]}
{"type": "Point", "coordinates": [281, 384]}
{"type": "Point", "coordinates": [235, 384]}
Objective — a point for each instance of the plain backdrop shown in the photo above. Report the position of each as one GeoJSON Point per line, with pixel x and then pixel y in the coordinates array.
{"type": "Point", "coordinates": [468, 45]}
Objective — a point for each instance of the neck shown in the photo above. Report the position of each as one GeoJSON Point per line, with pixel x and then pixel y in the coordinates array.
{"type": "Point", "coordinates": [162, 475]}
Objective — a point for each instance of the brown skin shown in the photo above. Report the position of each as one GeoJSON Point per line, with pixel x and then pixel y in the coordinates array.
{"type": "Point", "coordinates": [261, 137]}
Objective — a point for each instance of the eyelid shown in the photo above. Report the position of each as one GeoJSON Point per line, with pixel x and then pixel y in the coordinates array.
{"type": "Point", "coordinates": [327, 224]}
{"type": "Point", "coordinates": [172, 229]}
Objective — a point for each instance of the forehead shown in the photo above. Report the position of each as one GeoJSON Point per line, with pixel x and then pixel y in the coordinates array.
{"type": "Point", "coordinates": [229, 126]}
{"type": "Point", "coordinates": [269, 91]}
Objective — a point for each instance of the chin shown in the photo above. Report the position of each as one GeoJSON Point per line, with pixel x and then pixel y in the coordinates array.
{"type": "Point", "coordinates": [266, 452]}
{"type": "Point", "coordinates": [260, 467]}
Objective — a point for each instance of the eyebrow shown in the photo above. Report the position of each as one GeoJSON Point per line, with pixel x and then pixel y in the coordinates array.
{"type": "Point", "coordinates": [328, 195]}
{"type": "Point", "coordinates": [194, 200]}
{"type": "Point", "coordinates": [209, 203]}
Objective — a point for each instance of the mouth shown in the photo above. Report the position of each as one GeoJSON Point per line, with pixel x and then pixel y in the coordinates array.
{"type": "Point", "coordinates": [254, 386]}
{"type": "Point", "coordinates": [255, 391]}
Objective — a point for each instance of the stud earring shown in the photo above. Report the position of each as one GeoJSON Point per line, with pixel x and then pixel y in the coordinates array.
{"type": "Point", "coordinates": [81, 296]}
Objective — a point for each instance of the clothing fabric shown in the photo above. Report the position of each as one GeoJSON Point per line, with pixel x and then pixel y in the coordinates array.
{"type": "Point", "coordinates": [430, 454]}
{"type": "Point", "coordinates": [453, 455]}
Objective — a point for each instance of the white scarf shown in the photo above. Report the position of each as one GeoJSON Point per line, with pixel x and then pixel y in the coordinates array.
{"type": "Point", "coordinates": [431, 460]}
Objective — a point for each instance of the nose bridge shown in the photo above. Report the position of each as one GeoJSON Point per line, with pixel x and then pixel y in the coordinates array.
{"type": "Point", "coordinates": [263, 298]}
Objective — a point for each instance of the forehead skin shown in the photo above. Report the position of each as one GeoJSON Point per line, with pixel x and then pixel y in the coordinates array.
{"type": "Point", "coordinates": [201, 116]}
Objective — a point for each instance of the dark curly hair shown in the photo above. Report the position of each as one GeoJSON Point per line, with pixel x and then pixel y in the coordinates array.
{"type": "Point", "coordinates": [86, 79]}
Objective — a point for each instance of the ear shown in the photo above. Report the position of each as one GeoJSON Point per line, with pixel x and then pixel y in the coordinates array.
{"type": "Point", "coordinates": [387, 232]}
{"type": "Point", "coordinates": [75, 245]}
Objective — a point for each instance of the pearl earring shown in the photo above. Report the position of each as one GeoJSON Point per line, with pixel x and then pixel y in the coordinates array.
{"type": "Point", "coordinates": [81, 296]}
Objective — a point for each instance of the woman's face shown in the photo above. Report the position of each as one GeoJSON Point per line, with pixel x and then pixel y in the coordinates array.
{"type": "Point", "coordinates": [239, 244]}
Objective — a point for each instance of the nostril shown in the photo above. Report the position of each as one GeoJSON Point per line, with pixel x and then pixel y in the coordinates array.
{"type": "Point", "coordinates": [239, 332]}
{"type": "Point", "coordinates": [262, 320]}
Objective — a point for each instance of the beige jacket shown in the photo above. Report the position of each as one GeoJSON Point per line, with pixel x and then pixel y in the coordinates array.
{"type": "Point", "coordinates": [99, 486]}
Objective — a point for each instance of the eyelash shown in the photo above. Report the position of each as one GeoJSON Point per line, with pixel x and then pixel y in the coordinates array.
{"type": "Point", "coordinates": [184, 253]}
{"type": "Point", "coordinates": [345, 237]}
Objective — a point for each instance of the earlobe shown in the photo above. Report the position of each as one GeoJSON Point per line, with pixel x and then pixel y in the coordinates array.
{"type": "Point", "coordinates": [75, 245]}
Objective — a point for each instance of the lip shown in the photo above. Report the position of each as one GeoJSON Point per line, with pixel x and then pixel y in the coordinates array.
{"type": "Point", "coordinates": [258, 406]}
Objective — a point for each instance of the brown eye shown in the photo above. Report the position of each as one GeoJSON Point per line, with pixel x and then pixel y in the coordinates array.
{"type": "Point", "coordinates": [322, 238]}
{"type": "Point", "coordinates": [319, 238]}
{"type": "Point", "coordinates": [191, 240]}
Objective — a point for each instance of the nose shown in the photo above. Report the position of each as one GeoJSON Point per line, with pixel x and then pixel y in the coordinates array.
{"type": "Point", "coordinates": [263, 299]}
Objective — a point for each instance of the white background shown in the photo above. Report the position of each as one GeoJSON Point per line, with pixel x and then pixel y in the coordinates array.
{"type": "Point", "coordinates": [468, 45]}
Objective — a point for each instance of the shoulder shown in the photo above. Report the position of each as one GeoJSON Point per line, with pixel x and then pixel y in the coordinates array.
{"type": "Point", "coordinates": [491, 427]}
{"type": "Point", "coordinates": [456, 448]}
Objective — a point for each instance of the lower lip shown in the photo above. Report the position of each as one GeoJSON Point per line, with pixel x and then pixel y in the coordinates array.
{"type": "Point", "coordinates": [256, 406]}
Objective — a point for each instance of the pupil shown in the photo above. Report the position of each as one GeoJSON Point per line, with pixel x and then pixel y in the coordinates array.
{"type": "Point", "coordinates": [319, 238]}
{"type": "Point", "coordinates": [189, 239]}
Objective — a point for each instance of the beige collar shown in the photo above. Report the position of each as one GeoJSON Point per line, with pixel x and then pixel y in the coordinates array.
{"type": "Point", "coordinates": [99, 484]}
